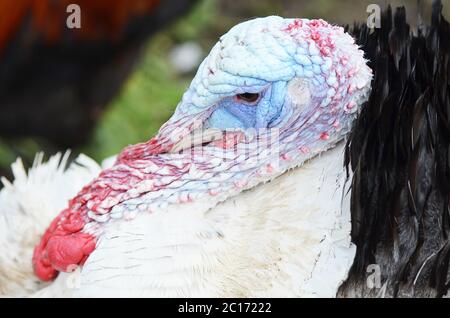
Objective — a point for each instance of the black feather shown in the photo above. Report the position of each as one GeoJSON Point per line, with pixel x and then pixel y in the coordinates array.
{"type": "Point", "coordinates": [399, 152]}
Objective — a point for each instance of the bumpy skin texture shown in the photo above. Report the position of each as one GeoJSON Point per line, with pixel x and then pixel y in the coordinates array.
{"type": "Point", "coordinates": [309, 76]}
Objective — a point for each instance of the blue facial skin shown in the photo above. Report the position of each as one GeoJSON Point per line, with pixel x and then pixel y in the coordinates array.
{"type": "Point", "coordinates": [235, 113]}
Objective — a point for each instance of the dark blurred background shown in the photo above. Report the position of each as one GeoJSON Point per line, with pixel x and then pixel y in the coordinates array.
{"type": "Point", "coordinates": [118, 78]}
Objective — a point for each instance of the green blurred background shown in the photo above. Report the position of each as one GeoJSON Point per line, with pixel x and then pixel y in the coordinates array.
{"type": "Point", "coordinates": [150, 95]}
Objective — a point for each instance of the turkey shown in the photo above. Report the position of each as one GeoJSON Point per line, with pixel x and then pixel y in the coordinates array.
{"type": "Point", "coordinates": [244, 192]}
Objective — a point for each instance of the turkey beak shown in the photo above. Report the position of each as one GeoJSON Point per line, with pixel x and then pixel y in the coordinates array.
{"type": "Point", "coordinates": [197, 137]}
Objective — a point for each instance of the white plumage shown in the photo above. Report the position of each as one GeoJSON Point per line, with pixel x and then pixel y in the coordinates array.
{"type": "Point", "coordinates": [27, 206]}
{"type": "Point", "coordinates": [289, 237]}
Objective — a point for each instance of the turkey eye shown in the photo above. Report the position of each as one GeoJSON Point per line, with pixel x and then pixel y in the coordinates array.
{"type": "Point", "coordinates": [248, 97]}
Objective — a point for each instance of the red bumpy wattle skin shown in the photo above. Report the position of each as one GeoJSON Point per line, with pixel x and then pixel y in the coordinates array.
{"type": "Point", "coordinates": [64, 246]}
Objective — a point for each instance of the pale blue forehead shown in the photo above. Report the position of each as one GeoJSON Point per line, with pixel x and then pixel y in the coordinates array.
{"type": "Point", "coordinates": [246, 59]}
